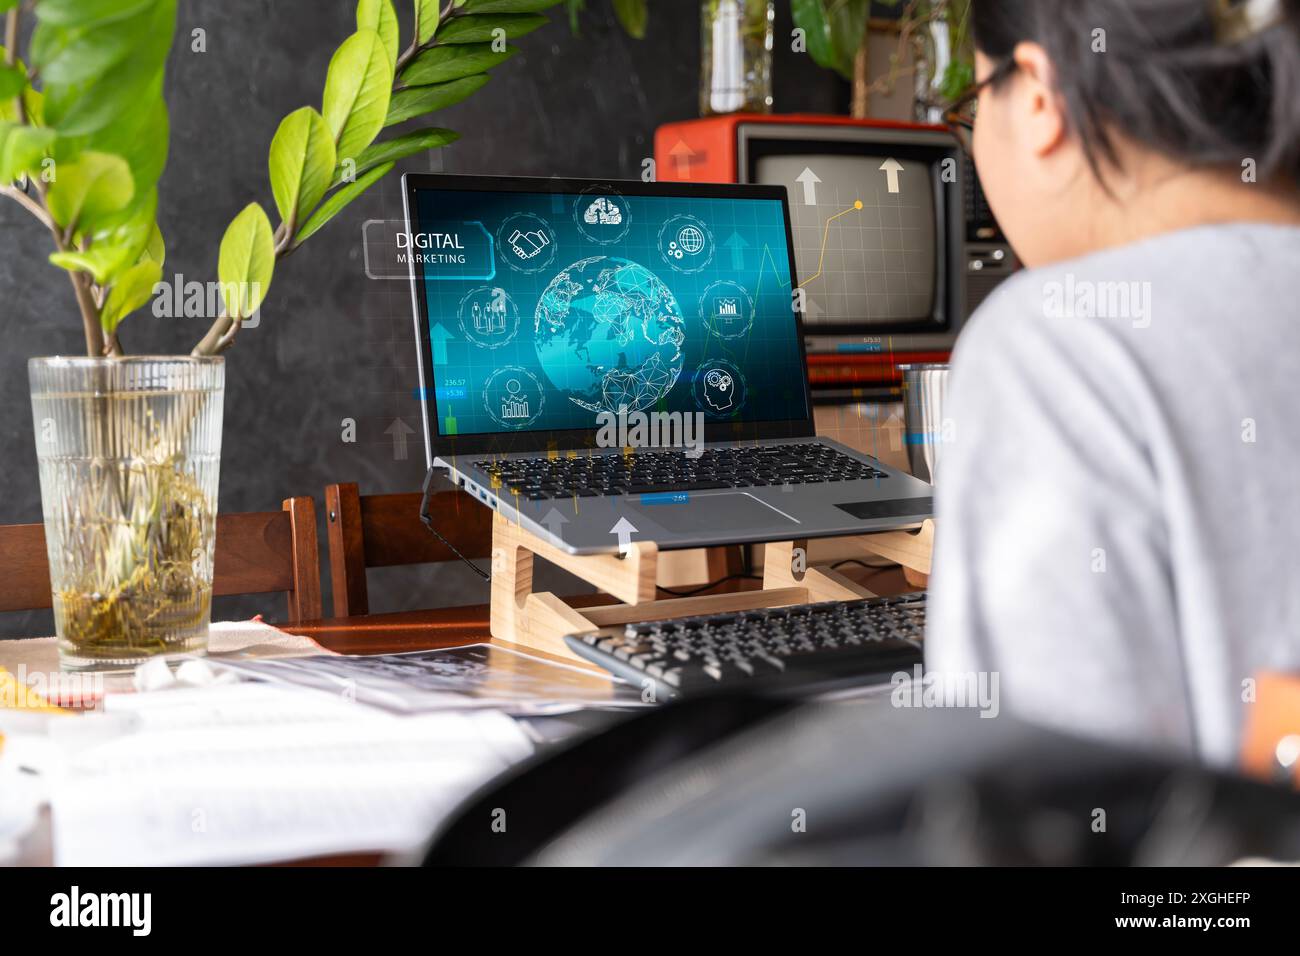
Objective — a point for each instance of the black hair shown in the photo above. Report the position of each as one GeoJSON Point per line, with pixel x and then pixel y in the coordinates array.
{"type": "Point", "coordinates": [1206, 82]}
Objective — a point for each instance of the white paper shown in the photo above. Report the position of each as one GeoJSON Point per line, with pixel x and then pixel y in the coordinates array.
{"type": "Point", "coordinates": [256, 773]}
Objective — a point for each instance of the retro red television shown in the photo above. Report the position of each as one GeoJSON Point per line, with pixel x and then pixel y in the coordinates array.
{"type": "Point", "coordinates": [894, 243]}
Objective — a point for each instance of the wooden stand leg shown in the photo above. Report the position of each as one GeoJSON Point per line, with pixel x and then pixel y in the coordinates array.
{"type": "Point", "coordinates": [914, 550]}
{"type": "Point", "coordinates": [785, 565]}
{"type": "Point", "coordinates": [516, 612]}
{"type": "Point", "coordinates": [542, 620]}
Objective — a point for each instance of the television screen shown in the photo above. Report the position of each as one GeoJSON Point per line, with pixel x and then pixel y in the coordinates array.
{"type": "Point", "coordinates": [866, 243]}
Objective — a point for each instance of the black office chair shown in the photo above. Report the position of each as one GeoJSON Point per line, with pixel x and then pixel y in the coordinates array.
{"type": "Point", "coordinates": [743, 781]}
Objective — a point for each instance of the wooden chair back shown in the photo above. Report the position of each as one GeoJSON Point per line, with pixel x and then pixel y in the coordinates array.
{"type": "Point", "coordinates": [259, 552]}
{"type": "Point", "coordinates": [381, 531]}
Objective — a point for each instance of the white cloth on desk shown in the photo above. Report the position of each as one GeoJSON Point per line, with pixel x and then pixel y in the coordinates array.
{"type": "Point", "coordinates": [242, 773]}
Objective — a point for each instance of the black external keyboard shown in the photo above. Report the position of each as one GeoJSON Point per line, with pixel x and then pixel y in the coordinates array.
{"type": "Point", "coordinates": [802, 647]}
{"type": "Point", "coordinates": [651, 472]}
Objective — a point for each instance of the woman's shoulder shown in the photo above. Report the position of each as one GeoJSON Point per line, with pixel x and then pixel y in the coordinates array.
{"type": "Point", "coordinates": [1146, 295]}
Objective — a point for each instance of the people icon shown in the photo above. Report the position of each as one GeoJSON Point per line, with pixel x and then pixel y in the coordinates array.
{"type": "Point", "coordinates": [515, 404]}
{"type": "Point", "coordinates": [489, 318]}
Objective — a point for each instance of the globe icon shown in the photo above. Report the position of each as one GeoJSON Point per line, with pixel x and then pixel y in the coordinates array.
{"type": "Point", "coordinates": [609, 334]}
{"type": "Point", "coordinates": [691, 239]}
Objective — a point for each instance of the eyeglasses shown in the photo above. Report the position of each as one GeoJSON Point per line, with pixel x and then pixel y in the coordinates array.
{"type": "Point", "coordinates": [960, 114]}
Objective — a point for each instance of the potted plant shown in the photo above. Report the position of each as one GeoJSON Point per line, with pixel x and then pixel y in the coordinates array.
{"type": "Point", "coordinates": [129, 447]}
{"type": "Point", "coordinates": [934, 47]}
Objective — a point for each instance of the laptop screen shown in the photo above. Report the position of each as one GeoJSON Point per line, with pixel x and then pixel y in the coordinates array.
{"type": "Point", "coordinates": [544, 309]}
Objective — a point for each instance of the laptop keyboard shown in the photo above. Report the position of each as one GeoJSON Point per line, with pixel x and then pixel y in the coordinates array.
{"type": "Point", "coordinates": [651, 472]}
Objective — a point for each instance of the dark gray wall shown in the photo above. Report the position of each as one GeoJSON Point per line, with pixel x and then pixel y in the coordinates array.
{"type": "Point", "coordinates": [333, 344]}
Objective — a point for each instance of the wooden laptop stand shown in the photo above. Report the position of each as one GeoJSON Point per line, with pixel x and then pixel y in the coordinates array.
{"type": "Point", "coordinates": [540, 621]}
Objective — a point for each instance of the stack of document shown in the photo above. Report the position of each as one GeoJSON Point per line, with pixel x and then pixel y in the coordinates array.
{"type": "Point", "coordinates": [256, 772]}
{"type": "Point", "coordinates": [453, 678]}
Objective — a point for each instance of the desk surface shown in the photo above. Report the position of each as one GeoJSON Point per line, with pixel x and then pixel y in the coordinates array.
{"type": "Point", "coordinates": [451, 627]}
{"type": "Point", "coordinates": [427, 630]}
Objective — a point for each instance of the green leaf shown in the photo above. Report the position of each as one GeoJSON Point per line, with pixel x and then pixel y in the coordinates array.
{"type": "Point", "coordinates": [140, 137]}
{"type": "Point", "coordinates": [22, 150]}
{"type": "Point", "coordinates": [7, 129]}
{"type": "Point", "coordinates": [442, 63]}
{"type": "Point", "coordinates": [99, 263]}
{"type": "Point", "coordinates": [246, 262]}
{"type": "Point", "coordinates": [357, 90]}
{"type": "Point", "coordinates": [957, 78]}
{"type": "Point", "coordinates": [8, 4]}
{"type": "Point", "coordinates": [848, 24]}
{"type": "Point", "coordinates": [379, 15]}
{"type": "Point", "coordinates": [426, 20]}
{"type": "Point", "coordinates": [87, 12]}
{"type": "Point", "coordinates": [31, 97]}
{"type": "Point", "coordinates": [426, 99]}
{"type": "Point", "coordinates": [482, 29]}
{"type": "Point", "coordinates": [574, 8]}
{"type": "Point", "coordinates": [155, 248]}
{"type": "Point", "coordinates": [392, 150]}
{"type": "Point", "coordinates": [75, 54]}
{"type": "Point", "coordinates": [131, 290]}
{"type": "Point", "coordinates": [116, 247]}
{"type": "Point", "coordinates": [12, 81]}
{"type": "Point", "coordinates": [34, 100]}
{"type": "Point", "coordinates": [90, 189]}
{"type": "Point", "coordinates": [82, 108]}
{"type": "Point", "coordinates": [509, 6]}
{"type": "Point", "coordinates": [302, 162]}
{"type": "Point", "coordinates": [810, 17]}
{"type": "Point", "coordinates": [633, 15]}
{"type": "Point", "coordinates": [338, 199]}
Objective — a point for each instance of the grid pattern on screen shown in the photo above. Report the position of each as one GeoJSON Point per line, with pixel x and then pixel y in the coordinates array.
{"type": "Point", "coordinates": [873, 265]}
{"type": "Point", "coordinates": [533, 380]}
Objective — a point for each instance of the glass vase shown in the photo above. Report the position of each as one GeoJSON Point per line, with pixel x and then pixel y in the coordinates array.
{"type": "Point", "coordinates": [129, 451]}
{"type": "Point", "coordinates": [736, 56]}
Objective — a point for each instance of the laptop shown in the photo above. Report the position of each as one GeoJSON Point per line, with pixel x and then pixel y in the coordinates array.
{"type": "Point", "coordinates": [613, 362]}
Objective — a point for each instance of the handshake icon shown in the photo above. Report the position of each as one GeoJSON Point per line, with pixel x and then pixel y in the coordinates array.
{"type": "Point", "coordinates": [528, 244]}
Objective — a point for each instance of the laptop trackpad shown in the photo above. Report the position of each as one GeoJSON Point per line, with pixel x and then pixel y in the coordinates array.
{"type": "Point", "coordinates": [738, 512]}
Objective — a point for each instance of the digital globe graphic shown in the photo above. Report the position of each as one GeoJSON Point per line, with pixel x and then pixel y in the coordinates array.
{"type": "Point", "coordinates": [609, 335]}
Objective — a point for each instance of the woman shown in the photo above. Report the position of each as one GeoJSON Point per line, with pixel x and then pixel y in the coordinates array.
{"type": "Point", "coordinates": [1119, 511]}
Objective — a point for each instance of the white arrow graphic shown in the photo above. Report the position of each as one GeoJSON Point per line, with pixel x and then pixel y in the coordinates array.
{"type": "Point", "coordinates": [893, 429]}
{"type": "Point", "coordinates": [810, 181]}
{"type": "Point", "coordinates": [891, 168]}
{"type": "Point", "coordinates": [399, 430]}
{"type": "Point", "coordinates": [624, 529]}
{"type": "Point", "coordinates": [681, 154]}
{"type": "Point", "coordinates": [553, 521]}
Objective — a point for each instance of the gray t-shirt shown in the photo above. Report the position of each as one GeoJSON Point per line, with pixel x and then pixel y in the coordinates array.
{"type": "Point", "coordinates": [1118, 501]}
